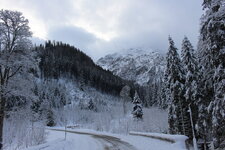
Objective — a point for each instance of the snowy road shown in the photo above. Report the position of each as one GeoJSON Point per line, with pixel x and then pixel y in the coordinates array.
{"type": "Point", "coordinates": [113, 143]}
{"type": "Point", "coordinates": [107, 142]}
{"type": "Point", "coordinates": [91, 140]}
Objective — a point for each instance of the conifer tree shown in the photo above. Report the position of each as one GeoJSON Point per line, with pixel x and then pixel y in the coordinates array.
{"type": "Point", "coordinates": [91, 105]}
{"type": "Point", "coordinates": [165, 90]}
{"type": "Point", "coordinates": [50, 119]}
{"type": "Point", "coordinates": [218, 112]}
{"type": "Point", "coordinates": [175, 79]}
{"type": "Point", "coordinates": [137, 109]}
{"type": "Point", "coordinates": [205, 93]}
{"type": "Point", "coordinates": [203, 122]}
{"type": "Point", "coordinates": [212, 52]}
{"type": "Point", "coordinates": [165, 96]}
{"type": "Point", "coordinates": [190, 69]}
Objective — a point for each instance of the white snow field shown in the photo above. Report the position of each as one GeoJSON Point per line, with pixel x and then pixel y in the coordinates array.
{"type": "Point", "coordinates": [81, 139]}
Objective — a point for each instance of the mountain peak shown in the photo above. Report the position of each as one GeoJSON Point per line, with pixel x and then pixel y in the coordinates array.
{"type": "Point", "coordinates": [136, 64]}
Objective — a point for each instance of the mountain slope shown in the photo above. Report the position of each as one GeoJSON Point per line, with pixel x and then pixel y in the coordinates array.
{"type": "Point", "coordinates": [62, 60]}
{"type": "Point", "coordinates": [141, 66]}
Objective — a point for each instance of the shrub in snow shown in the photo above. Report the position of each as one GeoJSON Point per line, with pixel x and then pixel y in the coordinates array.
{"type": "Point", "coordinates": [50, 119]}
{"type": "Point", "coordinates": [91, 105]}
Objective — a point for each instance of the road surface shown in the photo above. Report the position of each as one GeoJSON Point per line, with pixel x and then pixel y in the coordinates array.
{"type": "Point", "coordinates": [108, 142]}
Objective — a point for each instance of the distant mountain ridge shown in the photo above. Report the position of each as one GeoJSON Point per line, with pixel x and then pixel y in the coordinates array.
{"type": "Point", "coordinates": [140, 65]}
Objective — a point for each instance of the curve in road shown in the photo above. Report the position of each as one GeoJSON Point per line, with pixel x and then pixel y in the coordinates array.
{"type": "Point", "coordinates": [108, 142]}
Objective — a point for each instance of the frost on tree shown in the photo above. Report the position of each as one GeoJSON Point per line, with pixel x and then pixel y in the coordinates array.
{"type": "Point", "coordinates": [125, 95]}
{"type": "Point", "coordinates": [91, 105]}
{"type": "Point", "coordinates": [190, 67]}
{"type": "Point", "coordinates": [175, 85]}
{"type": "Point", "coordinates": [165, 95]}
{"type": "Point", "coordinates": [218, 113]}
{"type": "Point", "coordinates": [212, 60]}
{"type": "Point", "coordinates": [137, 108]}
{"type": "Point", "coordinates": [50, 119]}
{"type": "Point", "coordinates": [14, 47]}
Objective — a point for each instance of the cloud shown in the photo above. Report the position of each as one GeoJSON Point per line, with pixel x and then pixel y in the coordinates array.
{"type": "Point", "coordinates": [100, 27]}
{"type": "Point", "coordinates": [73, 35]}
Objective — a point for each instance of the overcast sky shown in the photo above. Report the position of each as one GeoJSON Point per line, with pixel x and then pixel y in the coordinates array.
{"type": "Point", "coordinates": [100, 27]}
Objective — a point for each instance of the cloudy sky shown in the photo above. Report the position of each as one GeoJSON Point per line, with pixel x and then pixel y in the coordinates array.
{"type": "Point", "coordinates": [100, 27]}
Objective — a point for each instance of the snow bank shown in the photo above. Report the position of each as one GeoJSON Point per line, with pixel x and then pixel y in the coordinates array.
{"type": "Point", "coordinates": [179, 140]}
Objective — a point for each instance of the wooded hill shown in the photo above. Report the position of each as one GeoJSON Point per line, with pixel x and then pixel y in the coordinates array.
{"type": "Point", "coordinates": [59, 60]}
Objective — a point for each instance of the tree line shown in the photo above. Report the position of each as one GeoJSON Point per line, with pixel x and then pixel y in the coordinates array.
{"type": "Point", "coordinates": [197, 80]}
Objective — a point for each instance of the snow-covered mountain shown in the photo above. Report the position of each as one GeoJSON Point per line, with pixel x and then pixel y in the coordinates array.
{"type": "Point", "coordinates": [139, 65]}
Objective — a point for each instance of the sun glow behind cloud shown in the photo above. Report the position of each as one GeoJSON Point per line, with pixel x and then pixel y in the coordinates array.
{"type": "Point", "coordinates": [106, 36]}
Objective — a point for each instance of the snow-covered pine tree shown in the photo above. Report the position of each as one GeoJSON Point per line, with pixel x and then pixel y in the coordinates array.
{"type": "Point", "coordinates": [203, 122]}
{"type": "Point", "coordinates": [82, 80]}
{"type": "Point", "coordinates": [156, 92]}
{"type": "Point", "coordinates": [218, 113]}
{"type": "Point", "coordinates": [190, 69]}
{"type": "Point", "coordinates": [165, 97]}
{"type": "Point", "coordinates": [137, 109]}
{"type": "Point", "coordinates": [205, 93]}
{"type": "Point", "coordinates": [50, 119]}
{"type": "Point", "coordinates": [213, 40]}
{"type": "Point", "coordinates": [91, 105]}
{"type": "Point", "coordinates": [175, 79]}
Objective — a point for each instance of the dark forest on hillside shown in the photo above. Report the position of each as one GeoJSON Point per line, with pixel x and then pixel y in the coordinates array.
{"type": "Point", "coordinates": [62, 60]}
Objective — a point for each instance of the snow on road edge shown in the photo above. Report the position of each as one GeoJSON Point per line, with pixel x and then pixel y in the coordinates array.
{"type": "Point", "coordinates": [176, 139]}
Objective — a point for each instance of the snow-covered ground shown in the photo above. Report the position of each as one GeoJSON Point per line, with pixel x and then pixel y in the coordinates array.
{"type": "Point", "coordinates": [91, 140]}
{"type": "Point", "coordinates": [109, 117]}
{"type": "Point", "coordinates": [177, 140]}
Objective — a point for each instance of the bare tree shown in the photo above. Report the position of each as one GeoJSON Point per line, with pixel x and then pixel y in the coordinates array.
{"type": "Point", "coordinates": [14, 33]}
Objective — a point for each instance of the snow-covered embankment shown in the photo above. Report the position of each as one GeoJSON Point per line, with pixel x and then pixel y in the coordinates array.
{"type": "Point", "coordinates": [180, 140]}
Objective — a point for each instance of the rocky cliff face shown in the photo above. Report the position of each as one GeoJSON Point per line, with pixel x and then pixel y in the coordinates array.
{"type": "Point", "coordinates": [141, 66]}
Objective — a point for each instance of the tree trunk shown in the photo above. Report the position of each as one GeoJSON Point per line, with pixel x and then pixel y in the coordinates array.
{"type": "Point", "coordinates": [124, 107]}
{"type": "Point", "coordinates": [182, 118]}
{"type": "Point", "coordinates": [2, 107]}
